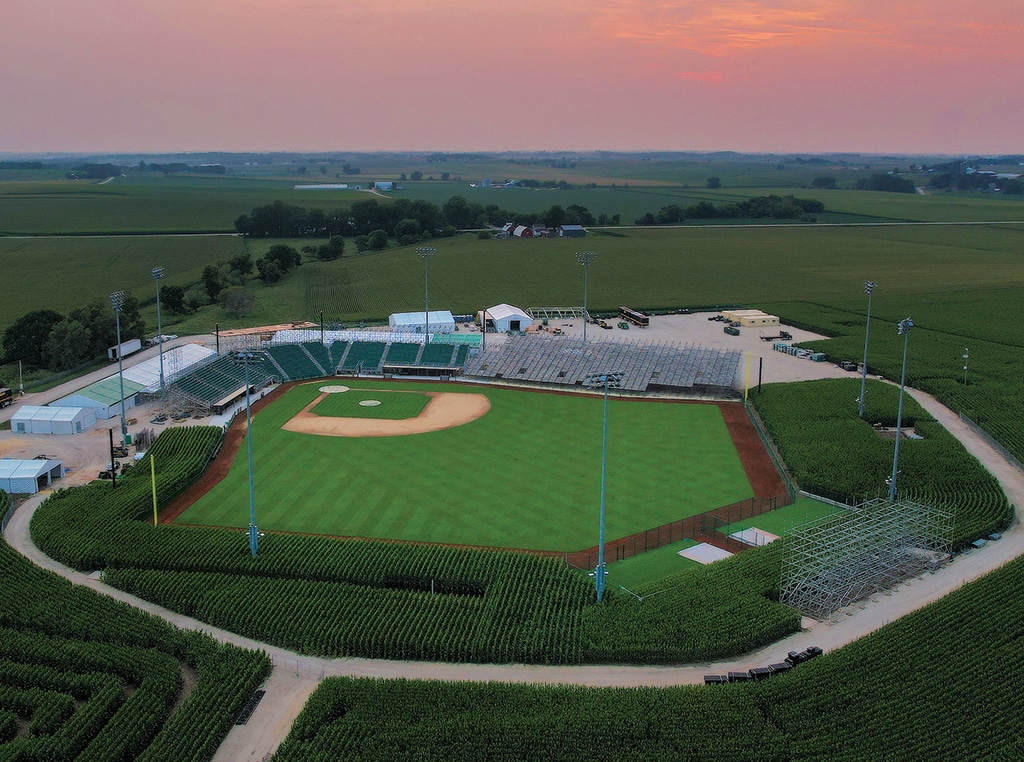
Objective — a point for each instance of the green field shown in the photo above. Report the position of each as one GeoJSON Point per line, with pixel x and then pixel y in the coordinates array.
{"type": "Point", "coordinates": [525, 475]}
{"type": "Point", "coordinates": [394, 405]}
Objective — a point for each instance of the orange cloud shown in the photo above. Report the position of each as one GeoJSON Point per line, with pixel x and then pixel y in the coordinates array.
{"type": "Point", "coordinates": [710, 77]}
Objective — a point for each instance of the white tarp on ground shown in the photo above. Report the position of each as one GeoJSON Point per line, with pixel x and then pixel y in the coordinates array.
{"type": "Point", "coordinates": [36, 419]}
{"type": "Point", "coordinates": [703, 553]}
{"type": "Point", "coordinates": [28, 476]}
{"type": "Point", "coordinates": [176, 361]}
{"type": "Point", "coordinates": [299, 335]}
{"type": "Point", "coordinates": [754, 536]}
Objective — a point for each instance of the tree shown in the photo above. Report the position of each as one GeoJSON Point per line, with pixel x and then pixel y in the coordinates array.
{"type": "Point", "coordinates": [331, 250]}
{"type": "Point", "coordinates": [237, 301]}
{"type": "Point", "coordinates": [377, 240]}
{"type": "Point", "coordinates": [408, 231]}
{"type": "Point", "coordinates": [714, 182]}
{"type": "Point", "coordinates": [269, 270]}
{"type": "Point", "coordinates": [823, 182]}
{"type": "Point", "coordinates": [67, 346]}
{"type": "Point", "coordinates": [416, 175]}
{"type": "Point", "coordinates": [26, 339]}
{"type": "Point", "coordinates": [285, 256]}
{"type": "Point", "coordinates": [173, 298]}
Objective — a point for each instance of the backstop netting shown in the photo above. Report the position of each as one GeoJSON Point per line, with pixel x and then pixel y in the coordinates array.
{"type": "Point", "coordinates": [837, 560]}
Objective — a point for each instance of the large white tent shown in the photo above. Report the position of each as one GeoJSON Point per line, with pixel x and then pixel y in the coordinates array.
{"type": "Point", "coordinates": [22, 477]}
{"type": "Point", "coordinates": [35, 419]}
{"type": "Point", "coordinates": [505, 317]}
{"type": "Point", "coordinates": [440, 321]}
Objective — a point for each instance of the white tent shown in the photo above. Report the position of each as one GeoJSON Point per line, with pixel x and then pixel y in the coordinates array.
{"type": "Point", "coordinates": [28, 476]}
{"type": "Point", "coordinates": [441, 321]}
{"type": "Point", "coordinates": [35, 419]}
{"type": "Point", "coordinates": [176, 361]}
{"type": "Point", "coordinates": [505, 317]}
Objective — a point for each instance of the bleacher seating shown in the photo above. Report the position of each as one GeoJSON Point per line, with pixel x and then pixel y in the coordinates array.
{"type": "Point", "coordinates": [364, 355]}
{"type": "Point", "coordinates": [437, 355]}
{"type": "Point", "coordinates": [320, 354]}
{"type": "Point", "coordinates": [294, 361]}
{"type": "Point", "coordinates": [460, 356]}
{"type": "Point", "coordinates": [402, 354]}
{"type": "Point", "coordinates": [219, 379]}
{"type": "Point", "coordinates": [338, 353]}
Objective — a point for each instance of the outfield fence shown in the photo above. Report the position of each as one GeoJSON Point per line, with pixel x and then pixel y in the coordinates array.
{"type": "Point", "coordinates": [704, 527]}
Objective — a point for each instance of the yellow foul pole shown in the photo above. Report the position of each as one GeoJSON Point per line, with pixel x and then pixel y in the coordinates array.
{"type": "Point", "coordinates": [152, 475]}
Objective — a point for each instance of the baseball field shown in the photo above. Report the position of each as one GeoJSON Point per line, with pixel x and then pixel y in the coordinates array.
{"type": "Point", "coordinates": [471, 465]}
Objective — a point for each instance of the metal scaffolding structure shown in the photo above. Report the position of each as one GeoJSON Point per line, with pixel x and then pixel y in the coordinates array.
{"type": "Point", "coordinates": [840, 559]}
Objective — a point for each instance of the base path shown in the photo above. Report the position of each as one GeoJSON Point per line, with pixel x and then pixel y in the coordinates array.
{"type": "Point", "coordinates": [295, 676]}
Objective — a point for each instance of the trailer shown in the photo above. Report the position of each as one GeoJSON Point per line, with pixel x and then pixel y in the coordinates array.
{"type": "Point", "coordinates": [6, 396]}
{"type": "Point", "coordinates": [124, 349]}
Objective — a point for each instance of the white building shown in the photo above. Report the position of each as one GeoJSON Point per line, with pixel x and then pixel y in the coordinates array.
{"type": "Point", "coordinates": [35, 419]}
{"type": "Point", "coordinates": [505, 317]}
{"type": "Point", "coordinates": [440, 321]}
{"type": "Point", "coordinates": [104, 397]}
{"type": "Point", "coordinates": [26, 477]}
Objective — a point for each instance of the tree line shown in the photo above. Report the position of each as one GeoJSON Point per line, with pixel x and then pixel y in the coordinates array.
{"type": "Point", "coordinates": [760, 207]}
{"type": "Point", "coordinates": [407, 221]}
{"type": "Point", "coordinates": [47, 339]}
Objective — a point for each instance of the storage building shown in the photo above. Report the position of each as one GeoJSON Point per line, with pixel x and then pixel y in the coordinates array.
{"type": "Point", "coordinates": [750, 318]}
{"type": "Point", "coordinates": [35, 419]}
{"type": "Point", "coordinates": [571, 231]}
{"type": "Point", "coordinates": [104, 397]}
{"type": "Point", "coordinates": [440, 321]}
{"type": "Point", "coordinates": [27, 477]}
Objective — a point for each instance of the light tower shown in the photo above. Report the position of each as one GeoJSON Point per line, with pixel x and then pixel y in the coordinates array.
{"type": "Point", "coordinates": [585, 258]}
{"type": "Point", "coordinates": [596, 381]}
{"type": "Point", "coordinates": [158, 273]}
{"type": "Point", "coordinates": [869, 286]}
{"type": "Point", "coordinates": [245, 358]}
{"type": "Point", "coordinates": [426, 252]}
{"type": "Point", "coordinates": [966, 357]}
{"type": "Point", "coordinates": [117, 302]}
{"type": "Point", "coordinates": [903, 329]}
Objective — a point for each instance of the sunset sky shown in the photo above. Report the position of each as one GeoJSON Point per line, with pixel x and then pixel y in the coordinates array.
{"type": "Point", "coordinates": [922, 76]}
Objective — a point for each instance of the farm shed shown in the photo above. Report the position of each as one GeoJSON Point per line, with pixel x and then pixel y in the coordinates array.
{"type": "Point", "coordinates": [441, 321]}
{"type": "Point", "coordinates": [571, 231]}
{"type": "Point", "coordinates": [505, 317]}
{"type": "Point", "coordinates": [20, 477]}
{"type": "Point", "coordinates": [36, 419]}
{"type": "Point", "coordinates": [522, 231]}
{"type": "Point", "coordinates": [104, 397]}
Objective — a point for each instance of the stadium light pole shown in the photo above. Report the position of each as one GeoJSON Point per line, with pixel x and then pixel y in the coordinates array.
{"type": "Point", "coordinates": [426, 252]}
{"type": "Point", "coordinates": [245, 358]}
{"type": "Point", "coordinates": [869, 286]}
{"type": "Point", "coordinates": [902, 329]}
{"type": "Point", "coordinates": [966, 358]}
{"type": "Point", "coordinates": [596, 381]}
{"type": "Point", "coordinates": [585, 258]}
{"type": "Point", "coordinates": [158, 273]}
{"type": "Point", "coordinates": [117, 302]}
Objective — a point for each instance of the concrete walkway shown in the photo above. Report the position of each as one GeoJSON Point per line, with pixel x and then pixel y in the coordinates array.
{"type": "Point", "coordinates": [295, 677]}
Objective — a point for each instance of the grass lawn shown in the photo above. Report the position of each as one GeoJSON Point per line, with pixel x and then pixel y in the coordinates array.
{"type": "Point", "coordinates": [782, 520]}
{"type": "Point", "coordinates": [525, 475]}
{"type": "Point", "coordinates": [650, 566]}
{"type": "Point", "coordinates": [393, 405]}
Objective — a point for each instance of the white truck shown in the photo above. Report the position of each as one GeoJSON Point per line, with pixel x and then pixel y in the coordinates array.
{"type": "Point", "coordinates": [124, 349]}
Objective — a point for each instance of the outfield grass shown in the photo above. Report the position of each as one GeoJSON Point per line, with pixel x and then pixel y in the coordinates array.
{"type": "Point", "coordinates": [783, 520]}
{"type": "Point", "coordinates": [526, 475]}
{"type": "Point", "coordinates": [394, 405]}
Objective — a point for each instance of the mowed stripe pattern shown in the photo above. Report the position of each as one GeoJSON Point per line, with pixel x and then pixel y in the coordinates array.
{"type": "Point", "coordinates": [525, 475]}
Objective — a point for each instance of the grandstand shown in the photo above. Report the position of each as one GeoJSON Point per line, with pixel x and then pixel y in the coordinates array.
{"type": "Point", "coordinates": [215, 386]}
{"type": "Point", "coordinates": [689, 369]}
